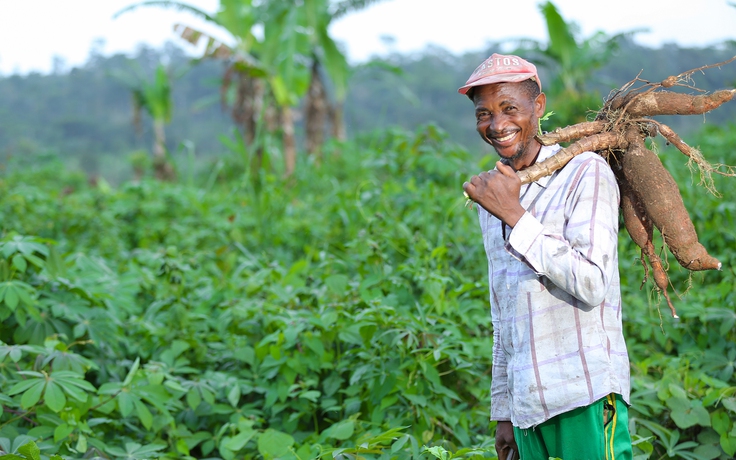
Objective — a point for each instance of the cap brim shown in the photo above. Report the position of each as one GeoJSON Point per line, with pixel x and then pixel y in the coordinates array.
{"type": "Point", "coordinates": [505, 78]}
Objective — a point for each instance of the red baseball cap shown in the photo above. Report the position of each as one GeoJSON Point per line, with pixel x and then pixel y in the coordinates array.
{"type": "Point", "coordinates": [501, 68]}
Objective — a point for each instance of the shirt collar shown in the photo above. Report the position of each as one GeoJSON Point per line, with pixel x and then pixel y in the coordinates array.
{"type": "Point", "coordinates": [545, 152]}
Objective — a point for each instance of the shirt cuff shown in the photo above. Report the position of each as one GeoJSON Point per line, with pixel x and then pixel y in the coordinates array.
{"type": "Point", "coordinates": [500, 411]}
{"type": "Point", "coordinates": [524, 233]}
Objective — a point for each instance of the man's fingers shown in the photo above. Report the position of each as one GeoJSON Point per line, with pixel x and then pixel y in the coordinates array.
{"type": "Point", "coordinates": [469, 191]}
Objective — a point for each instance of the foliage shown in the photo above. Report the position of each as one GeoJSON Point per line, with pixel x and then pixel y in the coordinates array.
{"type": "Point", "coordinates": [336, 318]}
{"type": "Point", "coordinates": [343, 317]}
{"type": "Point", "coordinates": [280, 44]}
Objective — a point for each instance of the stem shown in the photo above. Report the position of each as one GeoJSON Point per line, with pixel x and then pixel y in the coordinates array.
{"type": "Point", "coordinates": [21, 416]}
{"type": "Point", "coordinates": [105, 402]}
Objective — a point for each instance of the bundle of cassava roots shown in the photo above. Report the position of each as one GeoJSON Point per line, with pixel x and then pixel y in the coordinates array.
{"type": "Point", "coordinates": [649, 195]}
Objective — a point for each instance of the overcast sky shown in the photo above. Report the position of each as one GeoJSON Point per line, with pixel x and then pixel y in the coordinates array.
{"type": "Point", "coordinates": [32, 32]}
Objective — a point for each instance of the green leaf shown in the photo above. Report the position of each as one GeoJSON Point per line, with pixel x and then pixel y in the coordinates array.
{"type": "Point", "coordinates": [54, 397]}
{"type": "Point", "coordinates": [677, 392]}
{"type": "Point", "coordinates": [19, 262]}
{"type": "Point", "coordinates": [131, 373]}
{"type": "Point", "coordinates": [143, 414]}
{"type": "Point", "coordinates": [11, 296]}
{"type": "Point", "coordinates": [81, 444]}
{"type": "Point", "coordinates": [22, 386]}
{"type": "Point", "coordinates": [125, 403]}
{"type": "Point", "coordinates": [62, 432]}
{"type": "Point", "coordinates": [438, 452]}
{"type": "Point", "coordinates": [239, 441]}
{"type": "Point", "coordinates": [311, 395]}
{"type": "Point", "coordinates": [341, 430]}
{"type": "Point", "coordinates": [707, 451]}
{"type": "Point", "coordinates": [399, 444]}
{"type": "Point", "coordinates": [274, 443]}
{"type": "Point", "coordinates": [18, 442]}
{"type": "Point", "coordinates": [194, 399]}
{"type": "Point", "coordinates": [24, 296]}
{"type": "Point", "coordinates": [280, 91]}
{"type": "Point", "coordinates": [31, 451]}
{"type": "Point", "coordinates": [234, 395]}
{"type": "Point", "coordinates": [174, 385]}
{"type": "Point", "coordinates": [729, 403]}
{"type": "Point", "coordinates": [720, 421]}
{"type": "Point", "coordinates": [33, 394]}
{"type": "Point", "coordinates": [337, 283]}
{"type": "Point", "coordinates": [335, 64]}
{"type": "Point", "coordinates": [686, 413]}
{"type": "Point", "coordinates": [728, 443]}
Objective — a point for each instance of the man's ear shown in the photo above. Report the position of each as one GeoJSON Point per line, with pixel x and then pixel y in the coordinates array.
{"type": "Point", "coordinates": [540, 103]}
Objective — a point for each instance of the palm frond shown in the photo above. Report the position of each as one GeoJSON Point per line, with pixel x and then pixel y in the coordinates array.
{"type": "Point", "coordinates": [214, 48]}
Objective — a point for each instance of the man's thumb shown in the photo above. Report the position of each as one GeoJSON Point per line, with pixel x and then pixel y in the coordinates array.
{"type": "Point", "coordinates": [505, 169]}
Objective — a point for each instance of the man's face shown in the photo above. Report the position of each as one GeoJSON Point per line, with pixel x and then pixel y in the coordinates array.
{"type": "Point", "coordinates": [506, 118]}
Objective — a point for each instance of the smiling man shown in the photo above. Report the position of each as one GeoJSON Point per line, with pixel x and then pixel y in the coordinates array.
{"type": "Point", "coordinates": [560, 379]}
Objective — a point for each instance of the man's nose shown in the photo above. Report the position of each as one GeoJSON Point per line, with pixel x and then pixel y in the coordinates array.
{"type": "Point", "coordinates": [496, 125]}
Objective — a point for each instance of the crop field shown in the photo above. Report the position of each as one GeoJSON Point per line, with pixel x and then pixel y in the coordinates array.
{"type": "Point", "coordinates": [340, 314]}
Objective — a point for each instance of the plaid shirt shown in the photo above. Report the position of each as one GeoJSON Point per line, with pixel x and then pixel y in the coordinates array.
{"type": "Point", "coordinates": [555, 295]}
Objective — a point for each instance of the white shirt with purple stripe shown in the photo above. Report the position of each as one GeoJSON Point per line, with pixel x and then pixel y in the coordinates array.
{"type": "Point", "coordinates": [555, 295]}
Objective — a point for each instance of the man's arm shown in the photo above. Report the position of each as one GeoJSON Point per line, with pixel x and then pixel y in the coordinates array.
{"type": "Point", "coordinates": [500, 409]}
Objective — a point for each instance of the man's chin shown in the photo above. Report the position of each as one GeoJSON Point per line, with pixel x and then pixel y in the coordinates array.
{"type": "Point", "coordinates": [507, 153]}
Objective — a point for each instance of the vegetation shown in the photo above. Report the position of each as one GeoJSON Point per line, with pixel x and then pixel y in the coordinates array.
{"type": "Point", "coordinates": [342, 315]}
{"type": "Point", "coordinates": [84, 115]}
{"type": "Point", "coordinates": [155, 98]}
{"type": "Point", "coordinates": [278, 53]}
{"type": "Point", "coordinates": [345, 316]}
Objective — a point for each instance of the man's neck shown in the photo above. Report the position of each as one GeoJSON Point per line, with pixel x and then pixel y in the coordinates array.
{"type": "Point", "coordinates": [528, 159]}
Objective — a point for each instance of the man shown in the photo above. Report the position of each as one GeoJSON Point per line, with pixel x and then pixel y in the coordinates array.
{"type": "Point", "coordinates": [560, 380]}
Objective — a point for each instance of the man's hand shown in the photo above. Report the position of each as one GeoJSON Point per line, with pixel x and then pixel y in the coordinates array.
{"type": "Point", "coordinates": [505, 441]}
{"type": "Point", "coordinates": [497, 192]}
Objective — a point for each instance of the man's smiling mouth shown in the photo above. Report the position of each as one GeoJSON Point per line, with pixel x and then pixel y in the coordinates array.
{"type": "Point", "coordinates": [505, 138]}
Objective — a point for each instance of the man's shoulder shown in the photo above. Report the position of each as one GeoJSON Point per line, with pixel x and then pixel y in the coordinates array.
{"type": "Point", "coordinates": [587, 160]}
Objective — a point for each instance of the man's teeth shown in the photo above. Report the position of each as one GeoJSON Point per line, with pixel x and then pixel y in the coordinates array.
{"type": "Point", "coordinates": [505, 138]}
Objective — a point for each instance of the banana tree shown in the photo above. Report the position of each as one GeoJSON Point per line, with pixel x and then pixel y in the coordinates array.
{"type": "Point", "coordinates": [327, 59]}
{"type": "Point", "coordinates": [279, 67]}
{"type": "Point", "coordinates": [256, 79]}
{"type": "Point", "coordinates": [153, 97]}
{"type": "Point", "coordinates": [268, 70]}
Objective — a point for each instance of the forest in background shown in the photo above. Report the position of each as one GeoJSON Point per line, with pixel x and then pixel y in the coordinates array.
{"type": "Point", "coordinates": [85, 114]}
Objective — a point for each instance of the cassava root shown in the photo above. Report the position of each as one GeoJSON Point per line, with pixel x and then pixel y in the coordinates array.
{"type": "Point", "coordinates": [659, 195]}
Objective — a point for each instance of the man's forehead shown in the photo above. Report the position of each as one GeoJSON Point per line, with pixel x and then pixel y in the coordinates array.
{"type": "Point", "coordinates": [503, 90]}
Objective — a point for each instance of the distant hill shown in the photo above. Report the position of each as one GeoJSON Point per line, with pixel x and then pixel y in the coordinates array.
{"type": "Point", "coordinates": [85, 115]}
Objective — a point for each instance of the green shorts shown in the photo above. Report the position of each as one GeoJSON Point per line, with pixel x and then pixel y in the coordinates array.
{"type": "Point", "coordinates": [595, 432]}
